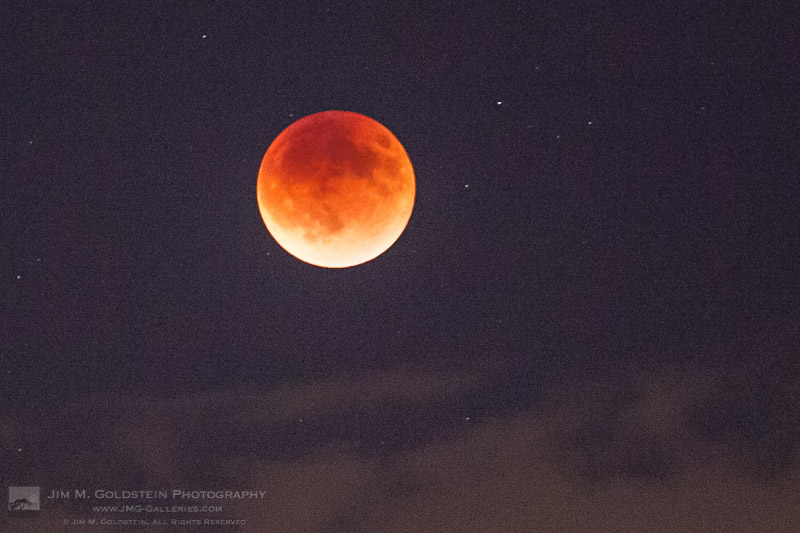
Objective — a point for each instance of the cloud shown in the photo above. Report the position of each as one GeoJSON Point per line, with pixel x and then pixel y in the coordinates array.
{"type": "Point", "coordinates": [166, 440]}
{"type": "Point", "coordinates": [387, 452]}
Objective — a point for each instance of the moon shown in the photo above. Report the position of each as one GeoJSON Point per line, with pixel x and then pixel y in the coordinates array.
{"type": "Point", "coordinates": [336, 189]}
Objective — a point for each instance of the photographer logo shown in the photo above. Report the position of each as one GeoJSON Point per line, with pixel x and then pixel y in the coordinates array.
{"type": "Point", "coordinates": [23, 501]}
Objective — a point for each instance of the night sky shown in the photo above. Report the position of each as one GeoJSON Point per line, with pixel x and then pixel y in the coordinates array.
{"type": "Point", "coordinates": [590, 322]}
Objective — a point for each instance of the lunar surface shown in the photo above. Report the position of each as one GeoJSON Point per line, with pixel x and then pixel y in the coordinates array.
{"type": "Point", "coordinates": [336, 189]}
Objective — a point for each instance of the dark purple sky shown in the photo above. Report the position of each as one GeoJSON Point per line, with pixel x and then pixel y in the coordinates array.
{"type": "Point", "coordinates": [594, 302]}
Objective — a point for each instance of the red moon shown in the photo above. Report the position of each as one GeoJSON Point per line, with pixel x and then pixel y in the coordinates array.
{"type": "Point", "coordinates": [336, 189]}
